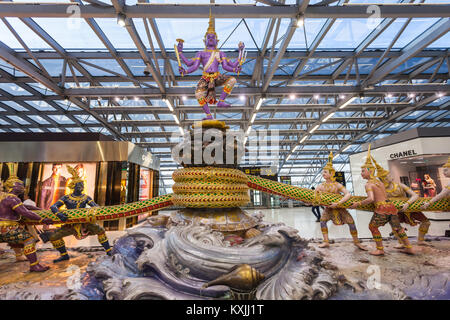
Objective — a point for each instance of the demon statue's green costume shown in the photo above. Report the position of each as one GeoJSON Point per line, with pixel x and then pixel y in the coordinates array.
{"type": "Point", "coordinates": [77, 199]}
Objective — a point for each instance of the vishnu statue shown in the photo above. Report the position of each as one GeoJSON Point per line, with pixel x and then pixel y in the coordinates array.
{"type": "Point", "coordinates": [77, 199]}
{"type": "Point", "coordinates": [400, 190]}
{"type": "Point", "coordinates": [384, 212]}
{"type": "Point", "coordinates": [211, 58]}
{"type": "Point", "coordinates": [12, 231]}
{"type": "Point", "coordinates": [339, 216]}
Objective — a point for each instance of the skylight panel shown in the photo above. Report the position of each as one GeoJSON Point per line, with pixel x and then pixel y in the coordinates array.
{"type": "Point", "coordinates": [70, 33]}
{"type": "Point", "coordinates": [14, 89]}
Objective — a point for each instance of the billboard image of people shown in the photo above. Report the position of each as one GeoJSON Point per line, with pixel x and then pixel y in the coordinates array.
{"type": "Point", "coordinates": [56, 178]}
{"type": "Point", "coordinates": [144, 184]}
{"type": "Point", "coordinates": [54, 186]}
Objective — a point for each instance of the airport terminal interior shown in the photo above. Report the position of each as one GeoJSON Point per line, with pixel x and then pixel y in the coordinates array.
{"type": "Point", "coordinates": [224, 149]}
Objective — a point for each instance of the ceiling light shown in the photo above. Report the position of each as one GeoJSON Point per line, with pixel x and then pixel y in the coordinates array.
{"type": "Point", "coordinates": [314, 129]}
{"type": "Point", "coordinates": [260, 102]}
{"type": "Point", "coordinates": [184, 98]}
{"type": "Point", "coordinates": [342, 96]}
{"type": "Point", "coordinates": [248, 130]}
{"type": "Point", "coordinates": [440, 95]}
{"type": "Point", "coordinates": [169, 105]}
{"type": "Point", "coordinates": [300, 20]}
{"type": "Point", "coordinates": [253, 118]}
{"type": "Point", "coordinates": [181, 130]}
{"type": "Point", "coordinates": [136, 98]}
{"type": "Point", "coordinates": [328, 117]}
{"type": "Point", "coordinates": [292, 96]}
{"type": "Point", "coordinates": [296, 147]}
{"type": "Point", "coordinates": [303, 139]}
{"type": "Point", "coordinates": [316, 96]}
{"type": "Point", "coordinates": [389, 95]}
{"type": "Point", "coordinates": [411, 95]}
{"type": "Point", "coordinates": [289, 157]}
{"type": "Point", "coordinates": [347, 103]}
{"type": "Point", "coordinates": [242, 97]}
{"type": "Point", "coordinates": [176, 119]}
{"type": "Point", "coordinates": [121, 19]}
{"type": "Point", "coordinates": [117, 98]}
{"type": "Point", "coordinates": [346, 148]}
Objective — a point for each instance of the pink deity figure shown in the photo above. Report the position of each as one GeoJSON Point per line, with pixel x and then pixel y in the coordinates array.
{"type": "Point", "coordinates": [211, 58]}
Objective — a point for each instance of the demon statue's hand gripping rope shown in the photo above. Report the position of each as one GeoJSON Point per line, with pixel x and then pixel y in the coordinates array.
{"type": "Point", "coordinates": [323, 198]}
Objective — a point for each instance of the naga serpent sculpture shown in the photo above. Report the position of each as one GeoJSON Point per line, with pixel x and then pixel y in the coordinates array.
{"type": "Point", "coordinates": [220, 188]}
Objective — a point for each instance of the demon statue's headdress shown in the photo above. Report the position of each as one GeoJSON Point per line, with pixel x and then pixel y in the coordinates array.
{"type": "Point", "coordinates": [13, 178]}
{"type": "Point", "coordinates": [368, 164]}
{"type": "Point", "coordinates": [329, 166]}
{"type": "Point", "coordinates": [381, 172]}
{"type": "Point", "coordinates": [75, 177]}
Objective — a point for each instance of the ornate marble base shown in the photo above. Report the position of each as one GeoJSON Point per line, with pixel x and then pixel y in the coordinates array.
{"type": "Point", "coordinates": [183, 261]}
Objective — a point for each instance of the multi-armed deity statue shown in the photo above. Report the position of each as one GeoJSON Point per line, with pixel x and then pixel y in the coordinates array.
{"type": "Point", "coordinates": [211, 58]}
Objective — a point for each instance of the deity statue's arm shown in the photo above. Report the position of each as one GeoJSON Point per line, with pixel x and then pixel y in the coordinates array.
{"type": "Point", "coordinates": [31, 207]}
{"type": "Point", "coordinates": [17, 206]}
{"type": "Point", "coordinates": [188, 62]}
{"type": "Point", "coordinates": [443, 194]}
{"type": "Point", "coordinates": [344, 191]}
{"type": "Point", "coordinates": [92, 203]}
{"type": "Point", "coordinates": [412, 196]}
{"type": "Point", "coordinates": [227, 61]}
{"type": "Point", "coordinates": [227, 64]}
{"type": "Point", "coordinates": [370, 197]}
{"type": "Point", "coordinates": [193, 66]}
{"type": "Point", "coordinates": [55, 209]}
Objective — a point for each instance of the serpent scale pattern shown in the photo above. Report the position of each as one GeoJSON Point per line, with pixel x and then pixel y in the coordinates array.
{"type": "Point", "coordinates": [324, 198]}
{"type": "Point", "coordinates": [108, 212]}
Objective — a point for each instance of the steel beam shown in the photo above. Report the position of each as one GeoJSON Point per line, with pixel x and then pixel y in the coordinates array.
{"type": "Point", "coordinates": [65, 10]}
{"type": "Point", "coordinates": [271, 91]}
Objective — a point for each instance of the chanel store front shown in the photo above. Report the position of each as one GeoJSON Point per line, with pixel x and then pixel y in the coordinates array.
{"type": "Point", "coordinates": [414, 157]}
